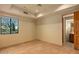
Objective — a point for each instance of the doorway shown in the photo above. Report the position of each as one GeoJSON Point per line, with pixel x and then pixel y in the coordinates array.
{"type": "Point", "coordinates": [68, 30]}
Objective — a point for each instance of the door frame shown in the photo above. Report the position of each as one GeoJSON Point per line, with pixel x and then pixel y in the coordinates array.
{"type": "Point", "coordinates": [63, 39]}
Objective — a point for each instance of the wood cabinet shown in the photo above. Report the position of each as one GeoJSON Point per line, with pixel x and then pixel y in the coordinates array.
{"type": "Point", "coordinates": [71, 37]}
{"type": "Point", "coordinates": [76, 30]}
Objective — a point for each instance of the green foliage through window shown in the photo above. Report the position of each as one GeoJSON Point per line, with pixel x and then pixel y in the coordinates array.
{"type": "Point", "coordinates": [9, 25]}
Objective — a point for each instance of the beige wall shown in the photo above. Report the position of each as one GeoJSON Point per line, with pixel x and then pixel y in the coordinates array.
{"type": "Point", "coordinates": [49, 29]}
{"type": "Point", "coordinates": [26, 32]}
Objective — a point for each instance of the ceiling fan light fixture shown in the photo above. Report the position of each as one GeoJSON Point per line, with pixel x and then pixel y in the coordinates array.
{"type": "Point", "coordinates": [39, 15]}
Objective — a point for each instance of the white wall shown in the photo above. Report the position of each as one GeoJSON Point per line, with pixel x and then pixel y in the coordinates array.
{"type": "Point", "coordinates": [49, 29]}
{"type": "Point", "coordinates": [26, 32]}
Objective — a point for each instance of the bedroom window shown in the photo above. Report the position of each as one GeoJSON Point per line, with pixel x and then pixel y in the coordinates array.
{"type": "Point", "coordinates": [9, 25]}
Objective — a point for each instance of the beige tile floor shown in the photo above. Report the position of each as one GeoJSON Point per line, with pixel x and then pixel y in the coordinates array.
{"type": "Point", "coordinates": [39, 47]}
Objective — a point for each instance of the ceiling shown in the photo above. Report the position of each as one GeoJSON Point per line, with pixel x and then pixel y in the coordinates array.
{"type": "Point", "coordinates": [38, 9]}
{"type": "Point", "coordinates": [34, 10]}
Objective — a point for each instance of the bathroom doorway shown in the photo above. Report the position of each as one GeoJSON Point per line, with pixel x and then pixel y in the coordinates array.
{"type": "Point", "coordinates": [68, 30]}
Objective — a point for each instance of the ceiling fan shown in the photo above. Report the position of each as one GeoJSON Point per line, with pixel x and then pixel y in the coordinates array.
{"type": "Point", "coordinates": [26, 11]}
